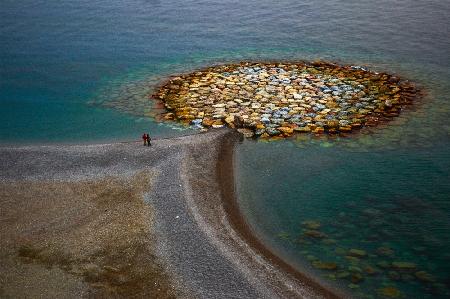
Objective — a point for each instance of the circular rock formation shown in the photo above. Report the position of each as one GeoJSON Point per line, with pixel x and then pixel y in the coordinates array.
{"type": "Point", "coordinates": [279, 99]}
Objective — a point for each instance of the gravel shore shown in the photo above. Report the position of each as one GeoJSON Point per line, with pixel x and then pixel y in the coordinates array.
{"type": "Point", "coordinates": [125, 218]}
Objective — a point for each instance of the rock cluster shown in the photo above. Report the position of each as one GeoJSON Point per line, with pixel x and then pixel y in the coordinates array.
{"type": "Point", "coordinates": [375, 266]}
{"type": "Point", "coordinates": [278, 99]}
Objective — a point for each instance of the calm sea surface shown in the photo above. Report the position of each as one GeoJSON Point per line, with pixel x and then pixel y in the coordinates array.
{"type": "Point", "coordinates": [81, 71]}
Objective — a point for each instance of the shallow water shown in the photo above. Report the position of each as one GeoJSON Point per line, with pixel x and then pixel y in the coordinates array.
{"type": "Point", "coordinates": [82, 71]}
{"type": "Point", "coordinates": [61, 60]}
{"type": "Point", "coordinates": [383, 198]}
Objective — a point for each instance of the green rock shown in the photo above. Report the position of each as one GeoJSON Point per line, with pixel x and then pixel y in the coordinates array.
{"type": "Point", "coordinates": [331, 276]}
{"type": "Point", "coordinates": [314, 234]}
{"type": "Point", "coordinates": [311, 224]}
{"type": "Point", "coordinates": [385, 251]}
{"type": "Point", "coordinates": [393, 275]}
{"type": "Point", "coordinates": [354, 269]}
{"type": "Point", "coordinates": [311, 258]}
{"type": "Point", "coordinates": [383, 264]}
{"type": "Point", "coordinates": [283, 236]}
{"type": "Point", "coordinates": [403, 265]}
{"type": "Point", "coordinates": [424, 276]}
{"type": "Point", "coordinates": [329, 241]}
{"type": "Point", "coordinates": [340, 251]}
{"type": "Point", "coordinates": [357, 252]}
{"type": "Point", "coordinates": [356, 278]}
{"type": "Point", "coordinates": [352, 259]}
{"type": "Point", "coordinates": [326, 144]}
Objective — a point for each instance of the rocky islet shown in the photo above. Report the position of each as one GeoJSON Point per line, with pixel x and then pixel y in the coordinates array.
{"type": "Point", "coordinates": [280, 99]}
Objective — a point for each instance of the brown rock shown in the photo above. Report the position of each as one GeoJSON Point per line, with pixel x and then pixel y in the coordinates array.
{"type": "Point", "coordinates": [318, 130]}
{"type": "Point", "coordinates": [424, 276]}
{"type": "Point", "coordinates": [302, 129]}
{"type": "Point", "coordinates": [314, 234]}
{"type": "Point", "coordinates": [324, 265]}
{"type": "Point", "coordinates": [286, 130]}
{"type": "Point", "coordinates": [207, 122]}
{"type": "Point", "coordinates": [391, 292]}
{"type": "Point", "coordinates": [345, 129]}
{"type": "Point", "coordinates": [357, 252]}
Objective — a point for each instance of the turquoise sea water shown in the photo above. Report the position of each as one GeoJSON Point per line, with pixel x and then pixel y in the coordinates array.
{"type": "Point", "coordinates": [81, 71]}
{"type": "Point", "coordinates": [393, 203]}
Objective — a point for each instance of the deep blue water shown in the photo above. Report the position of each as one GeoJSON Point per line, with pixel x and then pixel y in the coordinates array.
{"type": "Point", "coordinates": [81, 71]}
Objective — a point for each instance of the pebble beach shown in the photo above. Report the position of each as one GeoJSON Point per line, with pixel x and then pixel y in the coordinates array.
{"type": "Point", "coordinates": [299, 149]}
{"type": "Point", "coordinates": [192, 242]}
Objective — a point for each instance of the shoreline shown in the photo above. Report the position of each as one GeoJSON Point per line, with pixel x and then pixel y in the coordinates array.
{"type": "Point", "coordinates": [201, 238]}
{"type": "Point", "coordinates": [225, 167]}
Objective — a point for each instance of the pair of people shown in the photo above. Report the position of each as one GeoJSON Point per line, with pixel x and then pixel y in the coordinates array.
{"type": "Point", "coordinates": [146, 139]}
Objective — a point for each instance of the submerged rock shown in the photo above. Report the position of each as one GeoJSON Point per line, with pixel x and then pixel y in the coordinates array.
{"type": "Point", "coordinates": [424, 276]}
{"type": "Point", "coordinates": [352, 259]}
{"type": "Point", "coordinates": [329, 241]}
{"type": "Point", "coordinates": [283, 235]}
{"type": "Point", "coordinates": [357, 252]}
{"type": "Point", "coordinates": [385, 251]}
{"type": "Point", "coordinates": [354, 269]}
{"type": "Point", "coordinates": [324, 265]}
{"type": "Point", "coordinates": [371, 270]}
{"type": "Point", "coordinates": [390, 292]}
{"type": "Point", "coordinates": [314, 234]}
{"type": "Point", "coordinates": [393, 275]}
{"type": "Point", "coordinates": [340, 251]}
{"type": "Point", "coordinates": [403, 265]}
{"type": "Point", "coordinates": [311, 224]}
{"type": "Point", "coordinates": [356, 278]}
{"type": "Point", "coordinates": [383, 264]}
{"type": "Point", "coordinates": [311, 258]}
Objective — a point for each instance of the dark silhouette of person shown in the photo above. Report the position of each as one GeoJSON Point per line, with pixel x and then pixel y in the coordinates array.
{"type": "Point", "coordinates": [148, 140]}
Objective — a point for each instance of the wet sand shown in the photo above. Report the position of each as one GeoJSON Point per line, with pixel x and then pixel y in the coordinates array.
{"type": "Point", "coordinates": [124, 220]}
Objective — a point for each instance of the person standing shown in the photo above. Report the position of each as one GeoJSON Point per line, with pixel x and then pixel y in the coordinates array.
{"type": "Point", "coordinates": [148, 139]}
{"type": "Point", "coordinates": [144, 137]}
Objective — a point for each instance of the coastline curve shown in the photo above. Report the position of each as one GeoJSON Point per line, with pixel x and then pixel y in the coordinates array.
{"type": "Point", "coordinates": [218, 215]}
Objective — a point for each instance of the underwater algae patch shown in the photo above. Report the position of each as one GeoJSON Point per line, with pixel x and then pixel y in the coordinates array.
{"type": "Point", "coordinates": [280, 99]}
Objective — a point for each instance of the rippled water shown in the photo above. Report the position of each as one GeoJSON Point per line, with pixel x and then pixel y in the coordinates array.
{"type": "Point", "coordinates": [74, 71]}
{"type": "Point", "coordinates": [392, 203]}
{"type": "Point", "coordinates": [61, 59]}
